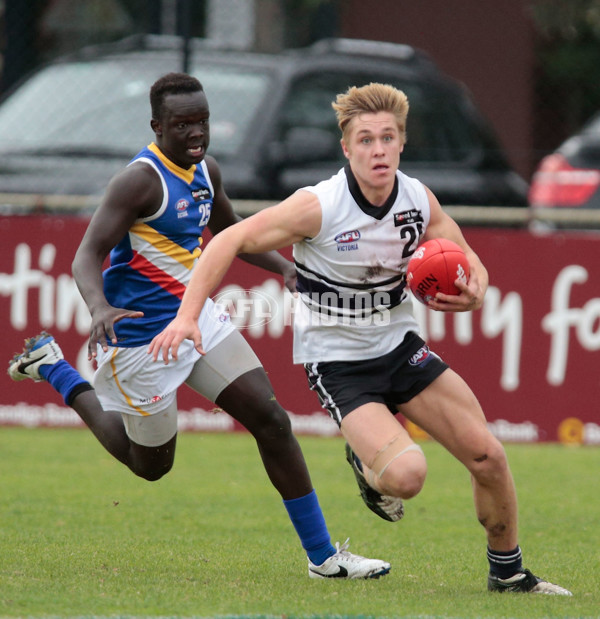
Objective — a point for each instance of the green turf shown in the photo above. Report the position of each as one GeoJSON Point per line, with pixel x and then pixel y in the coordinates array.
{"type": "Point", "coordinates": [82, 537]}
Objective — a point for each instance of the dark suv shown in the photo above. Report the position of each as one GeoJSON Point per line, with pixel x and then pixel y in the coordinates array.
{"type": "Point", "coordinates": [71, 125]}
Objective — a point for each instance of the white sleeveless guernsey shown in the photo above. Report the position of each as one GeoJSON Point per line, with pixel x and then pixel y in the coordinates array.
{"type": "Point", "coordinates": [352, 275]}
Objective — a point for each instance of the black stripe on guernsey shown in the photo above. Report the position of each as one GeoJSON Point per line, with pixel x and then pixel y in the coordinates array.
{"type": "Point", "coordinates": [327, 300]}
{"type": "Point", "coordinates": [344, 312]}
{"type": "Point", "coordinates": [377, 212]}
{"type": "Point", "coordinates": [354, 285]}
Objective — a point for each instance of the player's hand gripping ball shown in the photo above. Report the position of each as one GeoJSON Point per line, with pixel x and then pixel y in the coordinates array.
{"type": "Point", "coordinates": [434, 267]}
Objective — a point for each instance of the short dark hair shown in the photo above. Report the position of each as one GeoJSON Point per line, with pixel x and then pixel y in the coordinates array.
{"type": "Point", "coordinates": [171, 84]}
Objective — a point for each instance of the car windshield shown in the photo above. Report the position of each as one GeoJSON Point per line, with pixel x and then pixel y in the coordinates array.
{"type": "Point", "coordinates": [438, 131]}
{"type": "Point", "coordinates": [100, 109]}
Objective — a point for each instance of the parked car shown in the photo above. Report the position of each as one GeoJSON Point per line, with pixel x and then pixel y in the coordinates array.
{"type": "Point", "coordinates": [72, 124]}
{"type": "Point", "coordinates": [570, 176]}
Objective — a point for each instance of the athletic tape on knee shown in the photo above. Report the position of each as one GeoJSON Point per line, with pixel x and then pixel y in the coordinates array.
{"type": "Point", "coordinates": [387, 454]}
{"type": "Point", "coordinates": [412, 447]}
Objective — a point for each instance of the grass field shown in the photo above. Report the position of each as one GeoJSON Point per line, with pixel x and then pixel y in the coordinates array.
{"type": "Point", "coordinates": [82, 537]}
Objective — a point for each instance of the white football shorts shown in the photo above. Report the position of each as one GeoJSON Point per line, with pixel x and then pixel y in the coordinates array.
{"type": "Point", "coordinates": [144, 391]}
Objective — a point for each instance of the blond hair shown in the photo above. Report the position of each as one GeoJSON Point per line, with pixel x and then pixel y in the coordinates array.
{"type": "Point", "coordinates": [372, 98]}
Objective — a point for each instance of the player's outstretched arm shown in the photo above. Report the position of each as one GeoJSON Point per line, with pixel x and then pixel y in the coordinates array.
{"type": "Point", "coordinates": [292, 220]}
{"type": "Point", "coordinates": [223, 216]}
{"type": "Point", "coordinates": [134, 192]}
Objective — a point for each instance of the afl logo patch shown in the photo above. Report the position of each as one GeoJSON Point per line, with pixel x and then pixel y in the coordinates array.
{"type": "Point", "coordinates": [421, 357]}
{"type": "Point", "coordinates": [348, 237]}
{"type": "Point", "coordinates": [181, 205]}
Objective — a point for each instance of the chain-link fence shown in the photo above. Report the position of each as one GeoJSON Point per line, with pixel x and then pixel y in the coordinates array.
{"type": "Point", "coordinates": [561, 57]}
{"type": "Point", "coordinates": [36, 31]}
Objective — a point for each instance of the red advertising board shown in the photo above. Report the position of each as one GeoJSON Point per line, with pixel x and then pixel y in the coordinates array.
{"type": "Point", "coordinates": [530, 354]}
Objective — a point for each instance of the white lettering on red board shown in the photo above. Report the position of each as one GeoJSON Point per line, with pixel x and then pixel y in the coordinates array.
{"type": "Point", "coordinates": [498, 317]}
{"type": "Point", "coordinates": [61, 307]}
{"type": "Point", "coordinates": [562, 318]}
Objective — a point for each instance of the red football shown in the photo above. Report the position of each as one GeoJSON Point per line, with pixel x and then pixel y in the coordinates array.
{"type": "Point", "coordinates": [434, 267]}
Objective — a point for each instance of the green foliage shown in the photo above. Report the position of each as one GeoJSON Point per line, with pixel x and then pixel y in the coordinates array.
{"type": "Point", "coordinates": [81, 536]}
{"type": "Point", "coordinates": [568, 57]}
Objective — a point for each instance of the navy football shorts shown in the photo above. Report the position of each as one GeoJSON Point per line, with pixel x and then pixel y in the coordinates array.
{"type": "Point", "coordinates": [392, 379]}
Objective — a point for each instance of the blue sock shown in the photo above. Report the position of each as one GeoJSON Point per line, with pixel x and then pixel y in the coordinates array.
{"type": "Point", "coordinates": [309, 522]}
{"type": "Point", "coordinates": [63, 377]}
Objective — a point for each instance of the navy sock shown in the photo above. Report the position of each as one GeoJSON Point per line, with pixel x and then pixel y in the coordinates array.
{"type": "Point", "coordinates": [309, 522]}
{"type": "Point", "coordinates": [63, 377]}
{"type": "Point", "coordinates": [505, 563]}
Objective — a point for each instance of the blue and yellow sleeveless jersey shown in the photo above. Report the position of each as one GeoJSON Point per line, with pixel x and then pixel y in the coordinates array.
{"type": "Point", "coordinates": [151, 266]}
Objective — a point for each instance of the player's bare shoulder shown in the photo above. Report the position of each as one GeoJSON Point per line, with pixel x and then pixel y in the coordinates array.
{"type": "Point", "coordinates": [136, 188]}
{"type": "Point", "coordinates": [302, 214]}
